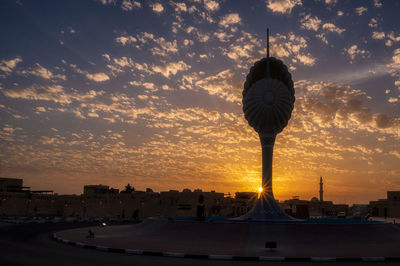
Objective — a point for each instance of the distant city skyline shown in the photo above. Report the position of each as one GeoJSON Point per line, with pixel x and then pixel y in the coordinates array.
{"type": "Point", "coordinates": [113, 189]}
{"type": "Point", "coordinates": [149, 93]}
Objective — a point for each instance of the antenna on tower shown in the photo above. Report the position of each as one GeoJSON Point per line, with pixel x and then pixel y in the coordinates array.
{"type": "Point", "coordinates": [268, 67]}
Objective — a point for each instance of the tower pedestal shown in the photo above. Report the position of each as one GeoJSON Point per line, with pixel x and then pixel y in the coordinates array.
{"type": "Point", "coordinates": [266, 208]}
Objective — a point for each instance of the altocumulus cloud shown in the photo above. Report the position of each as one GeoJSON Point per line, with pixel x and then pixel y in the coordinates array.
{"type": "Point", "coordinates": [282, 6]}
{"type": "Point", "coordinates": [159, 98]}
{"type": "Point", "coordinates": [171, 68]}
{"type": "Point", "coordinates": [8, 66]}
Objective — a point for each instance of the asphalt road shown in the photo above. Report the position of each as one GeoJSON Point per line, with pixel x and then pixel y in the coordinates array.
{"type": "Point", "coordinates": [31, 244]}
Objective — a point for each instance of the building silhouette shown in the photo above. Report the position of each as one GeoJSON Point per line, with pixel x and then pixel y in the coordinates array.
{"type": "Point", "coordinates": [99, 201]}
{"type": "Point", "coordinates": [389, 207]}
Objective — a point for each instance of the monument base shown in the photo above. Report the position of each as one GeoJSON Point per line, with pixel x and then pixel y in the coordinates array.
{"type": "Point", "coordinates": [266, 210]}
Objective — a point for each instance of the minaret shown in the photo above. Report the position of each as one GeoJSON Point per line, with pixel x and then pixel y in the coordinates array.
{"type": "Point", "coordinates": [321, 190]}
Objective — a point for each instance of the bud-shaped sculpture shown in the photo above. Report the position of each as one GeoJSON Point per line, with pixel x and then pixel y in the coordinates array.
{"type": "Point", "coordinates": [268, 100]}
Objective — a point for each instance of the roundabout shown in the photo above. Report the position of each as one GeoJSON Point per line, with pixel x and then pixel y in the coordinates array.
{"type": "Point", "coordinates": [226, 240]}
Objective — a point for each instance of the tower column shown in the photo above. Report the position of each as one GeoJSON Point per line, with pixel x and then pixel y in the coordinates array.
{"type": "Point", "coordinates": [267, 145]}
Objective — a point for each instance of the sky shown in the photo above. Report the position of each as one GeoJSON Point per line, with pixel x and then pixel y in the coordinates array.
{"type": "Point", "coordinates": [150, 93]}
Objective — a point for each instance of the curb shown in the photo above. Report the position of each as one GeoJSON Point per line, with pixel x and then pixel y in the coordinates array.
{"type": "Point", "coordinates": [224, 257]}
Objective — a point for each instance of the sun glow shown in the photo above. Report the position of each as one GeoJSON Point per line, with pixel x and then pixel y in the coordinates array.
{"type": "Point", "coordinates": [260, 190]}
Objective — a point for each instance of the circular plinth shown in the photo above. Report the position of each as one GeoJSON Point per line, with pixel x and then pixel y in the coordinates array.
{"type": "Point", "coordinates": [243, 239]}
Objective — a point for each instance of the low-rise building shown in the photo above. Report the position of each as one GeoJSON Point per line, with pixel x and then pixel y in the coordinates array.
{"type": "Point", "coordinates": [389, 207]}
{"type": "Point", "coordinates": [91, 190]}
{"type": "Point", "coordinates": [10, 185]}
{"type": "Point", "coordinates": [185, 203]}
{"type": "Point", "coordinates": [103, 201]}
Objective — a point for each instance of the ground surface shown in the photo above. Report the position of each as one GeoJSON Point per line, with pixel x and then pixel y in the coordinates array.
{"type": "Point", "coordinates": [247, 239]}
{"type": "Point", "coordinates": [30, 244]}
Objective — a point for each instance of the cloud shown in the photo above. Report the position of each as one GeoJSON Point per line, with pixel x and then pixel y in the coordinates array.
{"type": "Point", "coordinates": [162, 47]}
{"type": "Point", "coordinates": [229, 19]}
{"type": "Point", "coordinates": [310, 23]}
{"type": "Point", "coordinates": [358, 75]}
{"type": "Point", "coordinates": [377, 3]}
{"type": "Point", "coordinates": [332, 28]}
{"type": "Point", "coordinates": [8, 66]}
{"type": "Point", "coordinates": [373, 23]}
{"type": "Point", "coordinates": [143, 97]}
{"type": "Point", "coordinates": [247, 48]}
{"type": "Point", "coordinates": [396, 56]}
{"type": "Point", "coordinates": [314, 23]}
{"type": "Point", "coordinates": [108, 2]}
{"type": "Point", "coordinates": [342, 107]}
{"type": "Point", "coordinates": [392, 37]}
{"type": "Point", "coordinates": [171, 68]}
{"type": "Point", "coordinates": [124, 40]}
{"type": "Point", "coordinates": [223, 36]}
{"type": "Point", "coordinates": [40, 109]}
{"type": "Point", "coordinates": [69, 30]}
{"type": "Point", "coordinates": [361, 10]}
{"type": "Point", "coordinates": [331, 2]}
{"type": "Point", "coordinates": [394, 67]}
{"type": "Point", "coordinates": [198, 15]}
{"type": "Point", "coordinates": [179, 7]}
{"type": "Point", "coordinates": [166, 88]}
{"type": "Point", "coordinates": [333, 127]}
{"type": "Point", "coordinates": [354, 51]}
{"type": "Point", "coordinates": [201, 37]}
{"type": "Point", "coordinates": [283, 6]}
{"type": "Point", "coordinates": [98, 77]}
{"type": "Point", "coordinates": [239, 52]}
{"type": "Point", "coordinates": [327, 131]}
{"type": "Point", "coordinates": [128, 5]}
{"type": "Point", "coordinates": [148, 85]}
{"type": "Point", "coordinates": [292, 46]}
{"type": "Point", "coordinates": [187, 42]}
{"type": "Point", "coordinates": [8, 133]}
{"type": "Point", "coordinates": [211, 5]}
{"type": "Point", "coordinates": [41, 72]}
{"type": "Point", "coordinates": [123, 61]}
{"type": "Point", "coordinates": [323, 38]}
{"type": "Point", "coordinates": [306, 60]}
{"type": "Point", "coordinates": [223, 84]}
{"type": "Point", "coordinates": [378, 35]}
{"type": "Point", "coordinates": [53, 93]}
{"type": "Point", "coordinates": [117, 65]}
{"type": "Point", "coordinates": [157, 7]}
{"type": "Point", "coordinates": [383, 121]}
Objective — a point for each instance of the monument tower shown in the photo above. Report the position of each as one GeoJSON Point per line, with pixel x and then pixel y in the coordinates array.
{"type": "Point", "coordinates": [268, 101]}
{"type": "Point", "coordinates": [321, 190]}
